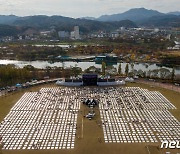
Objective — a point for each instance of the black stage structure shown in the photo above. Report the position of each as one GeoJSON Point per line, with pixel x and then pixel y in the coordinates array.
{"type": "Point", "coordinates": [90, 79]}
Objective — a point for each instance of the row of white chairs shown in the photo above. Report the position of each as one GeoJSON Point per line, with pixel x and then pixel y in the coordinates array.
{"type": "Point", "coordinates": [42, 120]}
{"type": "Point", "coordinates": [47, 119]}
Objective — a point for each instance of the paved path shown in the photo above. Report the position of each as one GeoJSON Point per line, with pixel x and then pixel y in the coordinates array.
{"type": "Point", "coordinates": [162, 85]}
{"type": "Point", "coordinates": [4, 92]}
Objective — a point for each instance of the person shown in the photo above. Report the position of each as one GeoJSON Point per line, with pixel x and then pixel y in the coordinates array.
{"type": "Point", "coordinates": [99, 140]}
{"type": "Point", "coordinates": [1, 140]}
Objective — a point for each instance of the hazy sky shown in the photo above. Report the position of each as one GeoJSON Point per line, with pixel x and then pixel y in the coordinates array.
{"type": "Point", "coordinates": [81, 8]}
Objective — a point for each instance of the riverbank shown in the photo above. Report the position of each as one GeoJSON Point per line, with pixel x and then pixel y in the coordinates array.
{"type": "Point", "coordinates": [69, 52]}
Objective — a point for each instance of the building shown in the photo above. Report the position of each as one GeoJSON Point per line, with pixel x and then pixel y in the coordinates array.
{"type": "Point", "coordinates": [106, 59]}
{"type": "Point", "coordinates": [114, 34]}
{"type": "Point", "coordinates": [72, 35]}
{"type": "Point", "coordinates": [122, 28]}
{"type": "Point", "coordinates": [63, 34]}
{"type": "Point", "coordinates": [75, 34]}
{"type": "Point", "coordinates": [45, 33]}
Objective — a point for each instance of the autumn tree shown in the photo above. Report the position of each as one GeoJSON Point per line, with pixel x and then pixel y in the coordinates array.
{"type": "Point", "coordinates": [133, 57]}
{"type": "Point", "coordinates": [103, 68]}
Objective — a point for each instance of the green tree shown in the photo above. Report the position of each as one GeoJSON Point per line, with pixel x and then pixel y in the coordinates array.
{"type": "Point", "coordinates": [48, 70]}
{"type": "Point", "coordinates": [173, 74]}
{"type": "Point", "coordinates": [103, 68]}
{"type": "Point", "coordinates": [132, 69]}
{"type": "Point", "coordinates": [29, 67]}
{"type": "Point", "coordinates": [164, 73]}
{"type": "Point", "coordinates": [155, 73]}
{"type": "Point", "coordinates": [119, 69]}
{"type": "Point", "coordinates": [127, 69]}
{"type": "Point", "coordinates": [76, 71]}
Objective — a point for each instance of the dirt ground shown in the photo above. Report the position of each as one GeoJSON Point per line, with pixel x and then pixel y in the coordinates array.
{"type": "Point", "coordinates": [89, 138]}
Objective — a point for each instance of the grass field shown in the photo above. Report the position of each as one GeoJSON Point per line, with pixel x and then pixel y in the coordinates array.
{"type": "Point", "coordinates": [89, 138]}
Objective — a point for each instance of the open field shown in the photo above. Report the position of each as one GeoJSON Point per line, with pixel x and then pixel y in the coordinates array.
{"type": "Point", "coordinates": [89, 138]}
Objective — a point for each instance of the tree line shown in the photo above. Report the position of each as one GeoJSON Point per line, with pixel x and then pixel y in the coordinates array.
{"type": "Point", "coordinates": [11, 75]}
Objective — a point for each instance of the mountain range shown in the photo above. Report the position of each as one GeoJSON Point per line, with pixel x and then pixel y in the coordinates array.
{"type": "Point", "coordinates": [175, 13]}
{"type": "Point", "coordinates": [137, 14]}
{"type": "Point", "coordinates": [132, 18]}
{"type": "Point", "coordinates": [39, 23]}
{"type": "Point", "coordinates": [144, 17]}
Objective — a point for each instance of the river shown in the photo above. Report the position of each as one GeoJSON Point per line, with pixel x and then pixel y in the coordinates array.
{"type": "Point", "coordinates": [83, 65]}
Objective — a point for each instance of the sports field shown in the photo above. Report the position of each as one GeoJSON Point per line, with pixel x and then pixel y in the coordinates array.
{"type": "Point", "coordinates": [89, 137]}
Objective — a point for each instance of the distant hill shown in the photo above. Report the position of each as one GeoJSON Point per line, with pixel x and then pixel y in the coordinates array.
{"type": "Point", "coordinates": [137, 14]}
{"type": "Point", "coordinates": [145, 17]}
{"type": "Point", "coordinates": [66, 23]}
{"type": "Point", "coordinates": [23, 24]}
{"type": "Point", "coordinates": [6, 30]}
{"type": "Point", "coordinates": [41, 21]}
{"type": "Point", "coordinates": [4, 19]}
{"type": "Point", "coordinates": [130, 19]}
{"type": "Point", "coordinates": [162, 21]}
{"type": "Point", "coordinates": [88, 18]}
{"type": "Point", "coordinates": [175, 13]}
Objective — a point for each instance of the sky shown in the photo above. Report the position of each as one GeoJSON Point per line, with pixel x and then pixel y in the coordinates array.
{"type": "Point", "coordinates": [82, 8]}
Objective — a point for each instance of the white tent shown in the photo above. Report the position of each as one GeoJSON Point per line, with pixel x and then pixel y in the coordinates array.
{"type": "Point", "coordinates": [129, 79]}
{"type": "Point", "coordinates": [73, 84]}
{"type": "Point", "coordinates": [115, 83]}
